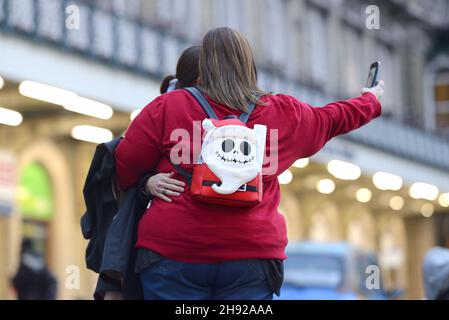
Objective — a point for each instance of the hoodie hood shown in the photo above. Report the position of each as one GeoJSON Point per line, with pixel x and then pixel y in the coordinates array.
{"type": "Point", "coordinates": [436, 272]}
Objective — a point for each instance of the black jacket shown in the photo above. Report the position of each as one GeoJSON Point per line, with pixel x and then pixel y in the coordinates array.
{"type": "Point", "coordinates": [110, 224]}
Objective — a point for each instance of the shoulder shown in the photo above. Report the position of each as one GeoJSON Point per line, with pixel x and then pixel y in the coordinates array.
{"type": "Point", "coordinates": [176, 98]}
{"type": "Point", "coordinates": [281, 100]}
{"type": "Point", "coordinates": [176, 95]}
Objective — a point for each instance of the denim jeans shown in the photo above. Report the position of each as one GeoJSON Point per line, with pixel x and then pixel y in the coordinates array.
{"type": "Point", "coordinates": [166, 279]}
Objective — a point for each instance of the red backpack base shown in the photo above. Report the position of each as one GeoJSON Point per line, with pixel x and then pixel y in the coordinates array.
{"type": "Point", "coordinates": [203, 179]}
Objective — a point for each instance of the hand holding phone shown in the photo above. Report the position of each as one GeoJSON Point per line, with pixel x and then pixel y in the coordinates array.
{"type": "Point", "coordinates": [373, 76]}
{"type": "Point", "coordinates": [373, 85]}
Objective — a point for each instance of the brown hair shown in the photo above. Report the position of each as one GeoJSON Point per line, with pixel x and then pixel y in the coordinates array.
{"type": "Point", "coordinates": [228, 74]}
{"type": "Point", "coordinates": [187, 70]}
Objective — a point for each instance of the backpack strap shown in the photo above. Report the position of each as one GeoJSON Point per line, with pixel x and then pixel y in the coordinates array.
{"type": "Point", "coordinates": [244, 117]}
{"type": "Point", "coordinates": [198, 95]}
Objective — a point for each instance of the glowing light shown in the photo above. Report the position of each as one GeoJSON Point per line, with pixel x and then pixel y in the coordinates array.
{"type": "Point", "coordinates": [135, 113]}
{"type": "Point", "coordinates": [285, 177]}
{"type": "Point", "coordinates": [344, 170]}
{"type": "Point", "coordinates": [67, 99]}
{"type": "Point", "coordinates": [92, 134]}
{"type": "Point", "coordinates": [325, 186]}
{"type": "Point", "coordinates": [443, 200]}
{"type": "Point", "coordinates": [397, 203]}
{"type": "Point", "coordinates": [387, 181]}
{"type": "Point", "coordinates": [46, 93]}
{"type": "Point", "coordinates": [2, 83]}
{"type": "Point", "coordinates": [89, 107]}
{"type": "Point", "coordinates": [10, 117]}
{"type": "Point", "coordinates": [424, 191]}
{"type": "Point", "coordinates": [364, 195]}
{"type": "Point", "coordinates": [301, 163]}
{"type": "Point", "coordinates": [427, 210]}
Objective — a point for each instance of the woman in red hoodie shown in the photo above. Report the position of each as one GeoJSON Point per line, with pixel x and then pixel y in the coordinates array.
{"type": "Point", "coordinates": [194, 250]}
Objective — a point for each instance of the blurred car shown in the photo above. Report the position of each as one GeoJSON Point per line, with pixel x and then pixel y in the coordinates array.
{"type": "Point", "coordinates": [328, 271]}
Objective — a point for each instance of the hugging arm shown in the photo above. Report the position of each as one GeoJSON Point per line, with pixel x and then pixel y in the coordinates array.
{"type": "Point", "coordinates": [160, 185]}
{"type": "Point", "coordinates": [140, 151]}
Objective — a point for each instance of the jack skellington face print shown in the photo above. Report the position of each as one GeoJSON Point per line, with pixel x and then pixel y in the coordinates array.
{"type": "Point", "coordinates": [231, 153]}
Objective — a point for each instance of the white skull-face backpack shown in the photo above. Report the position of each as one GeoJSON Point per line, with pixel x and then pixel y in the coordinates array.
{"type": "Point", "coordinates": [229, 171]}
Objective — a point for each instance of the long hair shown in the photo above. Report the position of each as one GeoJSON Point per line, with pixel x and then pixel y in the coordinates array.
{"type": "Point", "coordinates": [187, 70]}
{"type": "Point", "coordinates": [228, 73]}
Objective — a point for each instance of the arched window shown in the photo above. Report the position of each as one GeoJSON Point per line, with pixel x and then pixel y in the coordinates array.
{"type": "Point", "coordinates": [318, 44]}
{"type": "Point", "coordinates": [436, 94]}
{"type": "Point", "coordinates": [441, 92]}
{"type": "Point", "coordinates": [35, 203]}
{"type": "Point", "coordinates": [354, 70]}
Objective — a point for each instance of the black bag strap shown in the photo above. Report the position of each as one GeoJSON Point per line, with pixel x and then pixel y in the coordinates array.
{"type": "Point", "coordinates": [199, 96]}
{"type": "Point", "coordinates": [184, 173]}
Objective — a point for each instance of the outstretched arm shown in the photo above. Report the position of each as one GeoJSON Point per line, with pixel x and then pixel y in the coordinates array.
{"type": "Point", "coordinates": [306, 129]}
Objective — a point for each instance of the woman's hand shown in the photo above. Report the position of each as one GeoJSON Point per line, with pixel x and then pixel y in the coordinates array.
{"type": "Point", "coordinates": [163, 186]}
{"type": "Point", "coordinates": [377, 91]}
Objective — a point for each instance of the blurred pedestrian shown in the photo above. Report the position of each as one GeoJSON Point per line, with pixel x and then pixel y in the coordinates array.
{"type": "Point", "coordinates": [33, 280]}
{"type": "Point", "coordinates": [436, 274]}
{"type": "Point", "coordinates": [194, 250]}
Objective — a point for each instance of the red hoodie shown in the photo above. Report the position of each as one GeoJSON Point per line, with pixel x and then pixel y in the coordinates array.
{"type": "Point", "coordinates": [190, 231]}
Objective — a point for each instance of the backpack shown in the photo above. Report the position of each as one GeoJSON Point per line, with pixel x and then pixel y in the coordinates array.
{"type": "Point", "coordinates": [229, 170]}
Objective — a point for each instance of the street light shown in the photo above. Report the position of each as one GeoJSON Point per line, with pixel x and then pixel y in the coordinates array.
{"type": "Point", "coordinates": [286, 177]}
{"type": "Point", "coordinates": [67, 99]}
{"type": "Point", "coordinates": [301, 163]}
{"type": "Point", "coordinates": [424, 191]}
{"type": "Point", "coordinates": [135, 113]}
{"type": "Point", "coordinates": [387, 181]}
{"type": "Point", "coordinates": [397, 203]}
{"type": "Point", "coordinates": [364, 195]}
{"type": "Point", "coordinates": [92, 134]}
{"type": "Point", "coordinates": [427, 210]}
{"type": "Point", "coordinates": [46, 93]}
{"type": "Point", "coordinates": [344, 170]}
{"type": "Point", "coordinates": [443, 200]}
{"type": "Point", "coordinates": [89, 108]}
{"type": "Point", "coordinates": [325, 186]}
{"type": "Point", "coordinates": [10, 117]}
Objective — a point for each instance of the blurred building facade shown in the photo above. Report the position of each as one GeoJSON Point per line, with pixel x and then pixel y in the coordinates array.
{"type": "Point", "coordinates": [117, 52]}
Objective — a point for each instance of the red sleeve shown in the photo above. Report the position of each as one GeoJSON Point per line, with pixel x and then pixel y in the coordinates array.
{"type": "Point", "coordinates": [140, 151]}
{"type": "Point", "coordinates": [314, 126]}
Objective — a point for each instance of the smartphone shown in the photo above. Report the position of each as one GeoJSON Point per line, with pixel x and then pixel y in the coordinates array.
{"type": "Point", "coordinates": [373, 75]}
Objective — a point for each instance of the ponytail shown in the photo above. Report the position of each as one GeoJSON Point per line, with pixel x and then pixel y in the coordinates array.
{"type": "Point", "coordinates": [166, 83]}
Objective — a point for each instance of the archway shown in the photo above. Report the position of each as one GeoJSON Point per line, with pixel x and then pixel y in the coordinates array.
{"type": "Point", "coordinates": [322, 220]}
{"type": "Point", "coordinates": [35, 204]}
{"type": "Point", "coordinates": [359, 226]}
{"type": "Point", "coordinates": [61, 226]}
{"type": "Point", "coordinates": [293, 217]}
{"type": "Point", "coordinates": [392, 251]}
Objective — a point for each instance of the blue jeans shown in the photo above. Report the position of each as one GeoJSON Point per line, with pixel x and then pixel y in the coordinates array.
{"type": "Point", "coordinates": [233, 280]}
